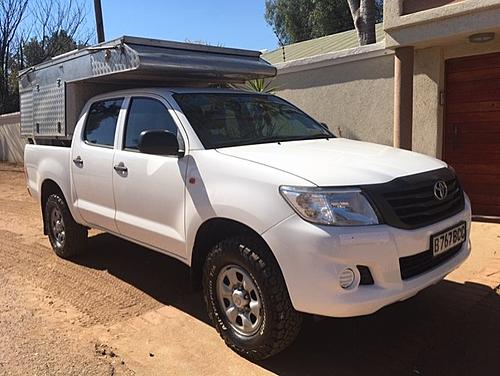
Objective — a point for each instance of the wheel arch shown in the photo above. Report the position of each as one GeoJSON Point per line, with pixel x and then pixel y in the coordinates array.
{"type": "Point", "coordinates": [48, 188]}
{"type": "Point", "coordinates": [210, 233]}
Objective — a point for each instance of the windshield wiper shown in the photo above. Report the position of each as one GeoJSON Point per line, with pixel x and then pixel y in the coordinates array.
{"type": "Point", "coordinates": [293, 138]}
{"type": "Point", "coordinates": [269, 140]}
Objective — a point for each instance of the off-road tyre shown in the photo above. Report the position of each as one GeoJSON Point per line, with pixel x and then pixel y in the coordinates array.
{"type": "Point", "coordinates": [281, 323]}
{"type": "Point", "coordinates": [75, 238]}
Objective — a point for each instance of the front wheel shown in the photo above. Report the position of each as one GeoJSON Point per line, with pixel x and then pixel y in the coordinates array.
{"type": "Point", "coordinates": [67, 237]}
{"type": "Point", "coordinates": [247, 299]}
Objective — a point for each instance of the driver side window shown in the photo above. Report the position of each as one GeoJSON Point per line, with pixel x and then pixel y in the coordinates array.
{"type": "Point", "coordinates": [144, 114]}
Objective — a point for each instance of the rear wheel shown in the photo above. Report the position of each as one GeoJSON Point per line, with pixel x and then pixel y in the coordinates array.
{"type": "Point", "coordinates": [247, 299]}
{"type": "Point", "coordinates": [67, 237]}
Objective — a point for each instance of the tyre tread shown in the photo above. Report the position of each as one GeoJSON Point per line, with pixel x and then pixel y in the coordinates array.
{"type": "Point", "coordinates": [288, 325]}
{"type": "Point", "coordinates": [76, 234]}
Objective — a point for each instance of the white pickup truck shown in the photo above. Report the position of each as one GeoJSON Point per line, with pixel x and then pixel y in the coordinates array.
{"type": "Point", "coordinates": [274, 214]}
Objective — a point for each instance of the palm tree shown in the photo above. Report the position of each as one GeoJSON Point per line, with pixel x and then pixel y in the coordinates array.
{"type": "Point", "coordinates": [260, 85]}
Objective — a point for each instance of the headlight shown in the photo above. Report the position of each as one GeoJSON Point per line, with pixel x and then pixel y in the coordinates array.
{"type": "Point", "coordinates": [339, 207]}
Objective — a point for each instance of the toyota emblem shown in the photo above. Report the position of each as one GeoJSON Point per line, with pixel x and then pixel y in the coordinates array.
{"type": "Point", "coordinates": [440, 190]}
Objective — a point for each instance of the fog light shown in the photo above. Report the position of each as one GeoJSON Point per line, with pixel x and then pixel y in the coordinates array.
{"type": "Point", "coordinates": [346, 278]}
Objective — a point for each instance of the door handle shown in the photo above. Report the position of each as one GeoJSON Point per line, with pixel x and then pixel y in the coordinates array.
{"type": "Point", "coordinates": [78, 161]}
{"type": "Point", "coordinates": [120, 168]}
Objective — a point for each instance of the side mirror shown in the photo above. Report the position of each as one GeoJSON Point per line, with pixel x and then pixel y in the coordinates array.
{"type": "Point", "coordinates": [158, 142]}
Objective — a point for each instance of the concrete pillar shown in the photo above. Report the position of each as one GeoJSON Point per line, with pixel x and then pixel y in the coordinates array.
{"type": "Point", "coordinates": [403, 97]}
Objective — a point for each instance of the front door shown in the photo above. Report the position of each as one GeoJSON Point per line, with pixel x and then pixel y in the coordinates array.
{"type": "Point", "coordinates": [149, 189]}
{"type": "Point", "coordinates": [472, 128]}
{"type": "Point", "coordinates": [92, 164]}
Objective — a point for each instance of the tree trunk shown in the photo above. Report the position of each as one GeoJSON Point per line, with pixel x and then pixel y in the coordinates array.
{"type": "Point", "coordinates": [363, 15]}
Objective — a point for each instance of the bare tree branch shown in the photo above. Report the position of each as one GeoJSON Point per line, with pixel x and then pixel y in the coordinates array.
{"type": "Point", "coordinates": [53, 17]}
{"type": "Point", "coordinates": [32, 31]}
{"type": "Point", "coordinates": [11, 16]}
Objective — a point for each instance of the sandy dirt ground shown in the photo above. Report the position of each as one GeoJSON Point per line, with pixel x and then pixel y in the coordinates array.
{"type": "Point", "coordinates": [122, 310]}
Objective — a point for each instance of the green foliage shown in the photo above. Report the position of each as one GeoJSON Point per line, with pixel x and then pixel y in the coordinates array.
{"type": "Point", "coordinates": [37, 51]}
{"type": "Point", "coordinates": [32, 31]}
{"type": "Point", "coordinates": [31, 53]}
{"type": "Point", "coordinates": [298, 20]}
{"type": "Point", "coordinates": [260, 85]}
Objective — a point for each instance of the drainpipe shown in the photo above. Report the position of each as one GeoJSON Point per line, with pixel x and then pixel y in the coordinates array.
{"type": "Point", "coordinates": [403, 97]}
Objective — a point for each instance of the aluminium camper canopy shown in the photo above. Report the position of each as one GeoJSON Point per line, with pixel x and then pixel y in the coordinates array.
{"type": "Point", "coordinates": [53, 93]}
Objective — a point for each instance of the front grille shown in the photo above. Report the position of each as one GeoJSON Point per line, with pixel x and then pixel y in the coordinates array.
{"type": "Point", "coordinates": [414, 265]}
{"type": "Point", "coordinates": [419, 205]}
{"type": "Point", "coordinates": [409, 202]}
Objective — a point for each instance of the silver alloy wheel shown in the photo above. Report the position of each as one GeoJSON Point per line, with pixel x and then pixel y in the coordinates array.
{"type": "Point", "coordinates": [240, 298]}
{"type": "Point", "coordinates": [57, 226]}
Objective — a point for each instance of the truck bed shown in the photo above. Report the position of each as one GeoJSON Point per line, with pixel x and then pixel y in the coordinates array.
{"type": "Point", "coordinates": [48, 162]}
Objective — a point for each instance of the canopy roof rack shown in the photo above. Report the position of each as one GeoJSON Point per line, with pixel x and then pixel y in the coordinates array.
{"type": "Point", "coordinates": [53, 93]}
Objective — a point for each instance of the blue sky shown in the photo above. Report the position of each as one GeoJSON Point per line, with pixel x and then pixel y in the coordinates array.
{"type": "Point", "coordinates": [230, 23]}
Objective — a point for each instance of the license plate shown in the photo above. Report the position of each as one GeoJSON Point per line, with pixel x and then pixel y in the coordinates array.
{"type": "Point", "coordinates": [448, 239]}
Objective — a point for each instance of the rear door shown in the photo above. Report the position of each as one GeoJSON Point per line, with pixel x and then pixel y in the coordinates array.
{"type": "Point", "coordinates": [149, 189]}
{"type": "Point", "coordinates": [92, 163]}
{"type": "Point", "coordinates": [472, 128]}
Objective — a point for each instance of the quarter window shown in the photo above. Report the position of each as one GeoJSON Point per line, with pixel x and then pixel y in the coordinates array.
{"type": "Point", "coordinates": [101, 122]}
{"type": "Point", "coordinates": [145, 114]}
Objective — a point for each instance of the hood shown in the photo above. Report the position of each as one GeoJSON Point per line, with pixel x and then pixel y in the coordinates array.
{"type": "Point", "coordinates": [337, 161]}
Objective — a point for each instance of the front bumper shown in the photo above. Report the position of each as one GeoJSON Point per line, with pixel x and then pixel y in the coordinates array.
{"type": "Point", "coordinates": [311, 258]}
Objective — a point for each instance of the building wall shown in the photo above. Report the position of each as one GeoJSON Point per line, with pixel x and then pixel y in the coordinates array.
{"type": "Point", "coordinates": [467, 49]}
{"type": "Point", "coordinates": [354, 98]}
{"type": "Point", "coordinates": [357, 96]}
{"type": "Point", "coordinates": [11, 143]}
{"type": "Point", "coordinates": [438, 25]}
{"type": "Point", "coordinates": [427, 109]}
{"type": "Point", "coordinates": [429, 83]}
{"type": "Point", "coordinates": [413, 6]}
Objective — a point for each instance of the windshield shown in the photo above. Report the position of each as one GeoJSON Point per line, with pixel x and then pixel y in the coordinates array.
{"type": "Point", "coordinates": [230, 119]}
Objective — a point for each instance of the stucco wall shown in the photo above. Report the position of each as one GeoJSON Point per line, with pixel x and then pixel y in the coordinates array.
{"type": "Point", "coordinates": [11, 143]}
{"type": "Point", "coordinates": [427, 110]}
{"type": "Point", "coordinates": [355, 97]}
{"type": "Point", "coordinates": [429, 83]}
{"type": "Point", "coordinates": [440, 25]}
{"type": "Point", "coordinates": [467, 49]}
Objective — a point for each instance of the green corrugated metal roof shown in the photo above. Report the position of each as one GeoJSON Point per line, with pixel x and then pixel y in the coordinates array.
{"type": "Point", "coordinates": [319, 46]}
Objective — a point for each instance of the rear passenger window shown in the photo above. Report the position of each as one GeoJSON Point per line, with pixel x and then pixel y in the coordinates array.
{"type": "Point", "coordinates": [143, 114]}
{"type": "Point", "coordinates": [101, 122]}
